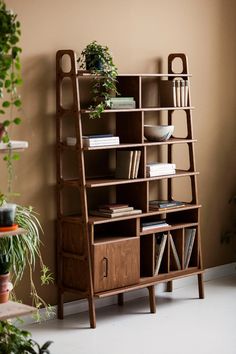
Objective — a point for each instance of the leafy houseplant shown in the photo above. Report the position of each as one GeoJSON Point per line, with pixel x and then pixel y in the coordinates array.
{"type": "Point", "coordinates": [10, 79]}
{"type": "Point", "coordinates": [97, 59]}
{"type": "Point", "coordinates": [16, 341]}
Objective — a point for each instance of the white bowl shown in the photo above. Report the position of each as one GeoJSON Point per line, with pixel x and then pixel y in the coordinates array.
{"type": "Point", "coordinates": [158, 132]}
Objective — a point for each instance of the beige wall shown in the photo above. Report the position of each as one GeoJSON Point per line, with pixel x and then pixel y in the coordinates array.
{"type": "Point", "coordinates": [138, 34]}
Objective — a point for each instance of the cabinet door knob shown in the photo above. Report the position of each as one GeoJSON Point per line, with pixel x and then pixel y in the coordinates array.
{"type": "Point", "coordinates": [105, 267]}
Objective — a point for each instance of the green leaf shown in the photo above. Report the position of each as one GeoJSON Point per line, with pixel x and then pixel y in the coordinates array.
{"type": "Point", "coordinates": [6, 104]}
{"type": "Point", "coordinates": [17, 121]}
{"type": "Point", "coordinates": [7, 83]}
{"type": "Point", "coordinates": [17, 103]}
{"type": "Point", "coordinates": [6, 123]}
{"type": "Point", "coordinates": [2, 111]}
{"type": "Point", "coordinates": [15, 157]}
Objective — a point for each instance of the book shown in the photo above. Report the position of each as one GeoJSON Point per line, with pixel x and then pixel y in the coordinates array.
{"type": "Point", "coordinates": [134, 162]}
{"type": "Point", "coordinates": [115, 215]}
{"type": "Point", "coordinates": [123, 164]}
{"type": "Point", "coordinates": [178, 102]}
{"type": "Point", "coordinates": [182, 93]}
{"type": "Point", "coordinates": [137, 164]}
{"type": "Point", "coordinates": [121, 98]}
{"type": "Point", "coordinates": [155, 222]}
{"type": "Point", "coordinates": [113, 206]}
{"type": "Point", "coordinates": [165, 204]}
{"type": "Point", "coordinates": [189, 242]}
{"type": "Point", "coordinates": [186, 93]}
{"type": "Point", "coordinates": [123, 105]}
{"type": "Point", "coordinates": [159, 251]}
{"type": "Point", "coordinates": [99, 141]}
{"type": "Point", "coordinates": [14, 144]}
{"type": "Point", "coordinates": [155, 226]}
{"type": "Point", "coordinates": [114, 211]}
{"type": "Point", "coordinates": [153, 166]}
{"type": "Point", "coordinates": [175, 253]}
{"type": "Point", "coordinates": [97, 136]}
{"type": "Point", "coordinates": [160, 173]}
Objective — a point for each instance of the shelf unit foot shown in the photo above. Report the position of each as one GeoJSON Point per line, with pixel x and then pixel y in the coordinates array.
{"type": "Point", "coordinates": [121, 299]}
{"type": "Point", "coordinates": [200, 286]}
{"type": "Point", "coordinates": [152, 299]}
{"type": "Point", "coordinates": [169, 286]}
{"type": "Point", "coordinates": [92, 314]}
{"type": "Point", "coordinates": [60, 308]}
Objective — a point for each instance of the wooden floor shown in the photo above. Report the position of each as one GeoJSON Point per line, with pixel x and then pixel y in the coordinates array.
{"type": "Point", "coordinates": [183, 324]}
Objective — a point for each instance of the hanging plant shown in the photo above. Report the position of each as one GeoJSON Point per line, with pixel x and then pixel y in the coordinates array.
{"type": "Point", "coordinates": [10, 79]}
{"type": "Point", "coordinates": [98, 60]}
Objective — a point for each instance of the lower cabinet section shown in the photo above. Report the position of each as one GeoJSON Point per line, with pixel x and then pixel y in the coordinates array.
{"type": "Point", "coordinates": [116, 263]}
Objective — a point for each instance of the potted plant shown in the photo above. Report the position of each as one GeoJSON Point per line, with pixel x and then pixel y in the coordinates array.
{"type": "Point", "coordinates": [4, 277]}
{"type": "Point", "coordinates": [97, 59]}
{"type": "Point", "coordinates": [17, 341]}
{"type": "Point", "coordinates": [7, 212]}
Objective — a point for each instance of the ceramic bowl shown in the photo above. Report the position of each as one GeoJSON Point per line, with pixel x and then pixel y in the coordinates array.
{"type": "Point", "coordinates": [158, 132]}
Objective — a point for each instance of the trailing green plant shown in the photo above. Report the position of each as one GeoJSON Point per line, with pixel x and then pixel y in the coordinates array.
{"type": "Point", "coordinates": [97, 59]}
{"type": "Point", "coordinates": [14, 340]}
{"type": "Point", "coordinates": [23, 251]}
{"type": "Point", "coordinates": [10, 79]}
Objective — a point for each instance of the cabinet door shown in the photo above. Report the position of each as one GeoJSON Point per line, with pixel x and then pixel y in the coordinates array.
{"type": "Point", "coordinates": [116, 264]}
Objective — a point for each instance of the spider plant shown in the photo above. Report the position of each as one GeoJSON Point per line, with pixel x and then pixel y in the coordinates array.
{"type": "Point", "coordinates": [24, 251]}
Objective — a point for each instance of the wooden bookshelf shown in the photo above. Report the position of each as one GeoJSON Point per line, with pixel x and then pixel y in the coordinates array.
{"type": "Point", "coordinates": [100, 256]}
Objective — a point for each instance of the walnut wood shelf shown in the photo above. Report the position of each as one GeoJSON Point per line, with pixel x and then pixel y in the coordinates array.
{"type": "Point", "coordinates": [99, 256]}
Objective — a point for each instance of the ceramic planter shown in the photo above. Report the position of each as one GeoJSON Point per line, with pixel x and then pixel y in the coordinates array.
{"type": "Point", "coordinates": [4, 282]}
{"type": "Point", "coordinates": [7, 214]}
{"type": "Point", "coordinates": [4, 297]}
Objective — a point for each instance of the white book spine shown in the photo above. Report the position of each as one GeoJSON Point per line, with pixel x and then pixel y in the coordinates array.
{"type": "Point", "coordinates": [101, 143]}
{"type": "Point", "coordinates": [178, 103]}
{"type": "Point", "coordinates": [174, 93]}
{"type": "Point", "coordinates": [160, 254]}
{"type": "Point", "coordinates": [160, 173]}
{"type": "Point", "coordinates": [182, 93]}
{"type": "Point", "coordinates": [186, 93]}
{"type": "Point", "coordinates": [160, 166]}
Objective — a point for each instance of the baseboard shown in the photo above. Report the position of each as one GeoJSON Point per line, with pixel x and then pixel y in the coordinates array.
{"type": "Point", "coordinates": [82, 305]}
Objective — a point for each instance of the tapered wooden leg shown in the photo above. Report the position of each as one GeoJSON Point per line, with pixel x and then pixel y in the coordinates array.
{"type": "Point", "coordinates": [169, 286]}
{"type": "Point", "coordinates": [92, 314]}
{"type": "Point", "coordinates": [200, 286]}
{"type": "Point", "coordinates": [152, 298]}
{"type": "Point", "coordinates": [60, 306]}
{"type": "Point", "coordinates": [121, 299]}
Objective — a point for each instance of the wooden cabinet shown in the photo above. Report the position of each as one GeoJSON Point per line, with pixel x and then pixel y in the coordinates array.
{"type": "Point", "coordinates": [99, 256]}
{"type": "Point", "coordinates": [116, 263]}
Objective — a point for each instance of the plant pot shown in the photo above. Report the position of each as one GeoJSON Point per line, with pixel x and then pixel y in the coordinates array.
{"type": "Point", "coordinates": [93, 63]}
{"type": "Point", "coordinates": [7, 214]}
{"type": "Point", "coordinates": [4, 282]}
{"type": "Point", "coordinates": [4, 297]}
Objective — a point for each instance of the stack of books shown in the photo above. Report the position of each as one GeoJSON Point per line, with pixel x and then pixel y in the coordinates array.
{"type": "Point", "coordinates": [174, 93]}
{"type": "Point", "coordinates": [115, 210]}
{"type": "Point", "coordinates": [127, 163]}
{"type": "Point", "coordinates": [121, 103]}
{"type": "Point", "coordinates": [188, 245]}
{"type": "Point", "coordinates": [95, 140]}
{"type": "Point", "coordinates": [159, 169]}
{"type": "Point", "coordinates": [149, 225]}
{"type": "Point", "coordinates": [165, 204]}
{"type": "Point", "coordinates": [159, 251]}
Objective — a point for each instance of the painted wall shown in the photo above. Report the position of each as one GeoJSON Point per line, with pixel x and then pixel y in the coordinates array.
{"type": "Point", "coordinates": [138, 33]}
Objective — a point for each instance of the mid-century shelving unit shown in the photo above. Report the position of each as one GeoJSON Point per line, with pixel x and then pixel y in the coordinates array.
{"type": "Point", "coordinates": [97, 256]}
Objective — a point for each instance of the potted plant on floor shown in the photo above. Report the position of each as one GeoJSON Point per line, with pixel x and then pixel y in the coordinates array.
{"type": "Point", "coordinates": [4, 277]}
{"type": "Point", "coordinates": [17, 341]}
{"type": "Point", "coordinates": [97, 59]}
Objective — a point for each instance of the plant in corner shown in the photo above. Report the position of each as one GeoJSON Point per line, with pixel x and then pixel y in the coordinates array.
{"type": "Point", "coordinates": [97, 59]}
{"type": "Point", "coordinates": [16, 341]}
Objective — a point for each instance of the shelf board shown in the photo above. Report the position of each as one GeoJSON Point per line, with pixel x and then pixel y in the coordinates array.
{"type": "Point", "coordinates": [171, 141]}
{"type": "Point", "coordinates": [149, 281]}
{"type": "Point", "coordinates": [95, 220]}
{"type": "Point", "coordinates": [156, 230]}
{"type": "Point", "coordinates": [106, 182]}
{"type": "Point", "coordinates": [14, 309]}
{"type": "Point", "coordinates": [87, 73]}
{"type": "Point", "coordinates": [19, 231]}
{"type": "Point", "coordinates": [149, 109]}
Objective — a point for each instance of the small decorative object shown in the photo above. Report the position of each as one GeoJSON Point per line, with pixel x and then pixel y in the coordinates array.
{"type": "Point", "coordinates": [158, 132]}
{"type": "Point", "coordinates": [97, 59]}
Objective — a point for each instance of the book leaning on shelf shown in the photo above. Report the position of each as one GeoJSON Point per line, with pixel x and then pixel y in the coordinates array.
{"type": "Point", "coordinates": [174, 93]}
{"type": "Point", "coordinates": [127, 163]}
{"type": "Point", "coordinates": [189, 238]}
{"type": "Point", "coordinates": [159, 251]}
{"type": "Point", "coordinates": [175, 253]}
